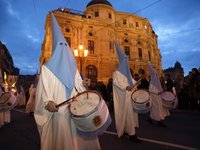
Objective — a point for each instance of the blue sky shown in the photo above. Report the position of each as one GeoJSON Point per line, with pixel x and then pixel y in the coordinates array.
{"type": "Point", "coordinates": [176, 22]}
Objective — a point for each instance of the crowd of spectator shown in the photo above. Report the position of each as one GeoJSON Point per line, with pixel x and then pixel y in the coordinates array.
{"type": "Point", "coordinates": [187, 88]}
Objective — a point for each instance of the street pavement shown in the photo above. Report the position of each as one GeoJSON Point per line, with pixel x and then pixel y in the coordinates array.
{"type": "Point", "coordinates": [182, 132]}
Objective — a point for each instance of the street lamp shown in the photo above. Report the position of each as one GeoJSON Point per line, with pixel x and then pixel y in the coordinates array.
{"type": "Point", "coordinates": [80, 53]}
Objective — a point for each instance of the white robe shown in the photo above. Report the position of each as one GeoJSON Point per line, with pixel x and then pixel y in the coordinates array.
{"type": "Point", "coordinates": [157, 112]}
{"type": "Point", "coordinates": [30, 106]}
{"type": "Point", "coordinates": [21, 97]}
{"type": "Point", "coordinates": [5, 115]}
{"type": "Point", "coordinates": [125, 118]}
{"type": "Point", "coordinates": [5, 118]}
{"type": "Point", "coordinates": [57, 130]}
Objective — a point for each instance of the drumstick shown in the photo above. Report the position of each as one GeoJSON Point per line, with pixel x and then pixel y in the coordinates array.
{"type": "Point", "coordinates": [66, 101]}
{"type": "Point", "coordinates": [137, 83]}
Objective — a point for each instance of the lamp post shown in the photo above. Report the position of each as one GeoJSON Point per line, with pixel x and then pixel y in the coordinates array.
{"type": "Point", "coordinates": [80, 53]}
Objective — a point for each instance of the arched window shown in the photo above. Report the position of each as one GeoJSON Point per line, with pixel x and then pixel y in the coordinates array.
{"type": "Point", "coordinates": [67, 30]}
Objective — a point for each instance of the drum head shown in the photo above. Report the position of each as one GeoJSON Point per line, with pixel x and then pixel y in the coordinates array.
{"type": "Point", "coordinates": [84, 103]}
{"type": "Point", "coordinates": [140, 96]}
{"type": "Point", "coordinates": [168, 96]}
{"type": "Point", "coordinates": [7, 101]}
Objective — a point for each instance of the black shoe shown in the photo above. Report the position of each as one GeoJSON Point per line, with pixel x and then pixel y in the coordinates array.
{"type": "Point", "coordinates": [161, 124]}
{"type": "Point", "coordinates": [135, 139]}
{"type": "Point", "coordinates": [149, 120]}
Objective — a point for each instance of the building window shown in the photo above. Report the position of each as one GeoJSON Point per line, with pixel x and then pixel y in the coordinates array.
{"type": "Point", "coordinates": [96, 14]}
{"type": "Point", "coordinates": [124, 21]}
{"type": "Point", "coordinates": [127, 50]}
{"type": "Point", "coordinates": [67, 30]}
{"type": "Point", "coordinates": [136, 24]}
{"type": "Point", "coordinates": [149, 55]}
{"type": "Point", "coordinates": [68, 39]}
{"type": "Point", "coordinates": [92, 73]}
{"type": "Point", "coordinates": [91, 47]}
{"type": "Point", "coordinates": [111, 46]}
{"type": "Point", "coordinates": [126, 40]}
{"type": "Point", "coordinates": [140, 53]}
{"type": "Point", "coordinates": [90, 34]}
{"type": "Point", "coordinates": [110, 16]}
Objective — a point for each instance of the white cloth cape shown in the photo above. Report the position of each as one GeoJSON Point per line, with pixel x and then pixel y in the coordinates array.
{"type": "Point", "coordinates": [57, 130]}
{"type": "Point", "coordinates": [125, 118]}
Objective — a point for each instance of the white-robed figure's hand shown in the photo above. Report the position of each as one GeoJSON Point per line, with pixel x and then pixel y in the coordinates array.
{"type": "Point", "coordinates": [51, 106]}
{"type": "Point", "coordinates": [129, 88]}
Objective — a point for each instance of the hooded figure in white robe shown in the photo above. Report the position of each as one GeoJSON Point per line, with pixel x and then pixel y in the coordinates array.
{"type": "Point", "coordinates": [30, 106]}
{"type": "Point", "coordinates": [126, 119]}
{"type": "Point", "coordinates": [57, 82]}
{"type": "Point", "coordinates": [21, 97]}
{"type": "Point", "coordinates": [4, 115]}
{"type": "Point", "coordinates": [157, 112]}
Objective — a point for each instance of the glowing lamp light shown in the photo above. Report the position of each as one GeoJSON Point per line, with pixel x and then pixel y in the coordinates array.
{"type": "Point", "coordinates": [85, 53]}
{"type": "Point", "coordinates": [5, 82]}
{"type": "Point", "coordinates": [76, 52]}
{"type": "Point", "coordinates": [80, 47]}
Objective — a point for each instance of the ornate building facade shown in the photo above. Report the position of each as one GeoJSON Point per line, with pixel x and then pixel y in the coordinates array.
{"type": "Point", "coordinates": [96, 29]}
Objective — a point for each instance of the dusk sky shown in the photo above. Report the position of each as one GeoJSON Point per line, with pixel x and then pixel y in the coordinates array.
{"type": "Point", "coordinates": [176, 22]}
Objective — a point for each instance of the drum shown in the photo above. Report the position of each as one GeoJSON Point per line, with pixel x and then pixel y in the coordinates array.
{"type": "Point", "coordinates": [168, 100]}
{"type": "Point", "coordinates": [7, 101]}
{"type": "Point", "coordinates": [141, 101]}
{"type": "Point", "coordinates": [90, 113]}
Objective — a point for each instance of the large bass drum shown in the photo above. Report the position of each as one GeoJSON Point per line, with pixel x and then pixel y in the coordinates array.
{"type": "Point", "coordinates": [90, 113]}
{"type": "Point", "coordinates": [7, 101]}
{"type": "Point", "coordinates": [141, 101]}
